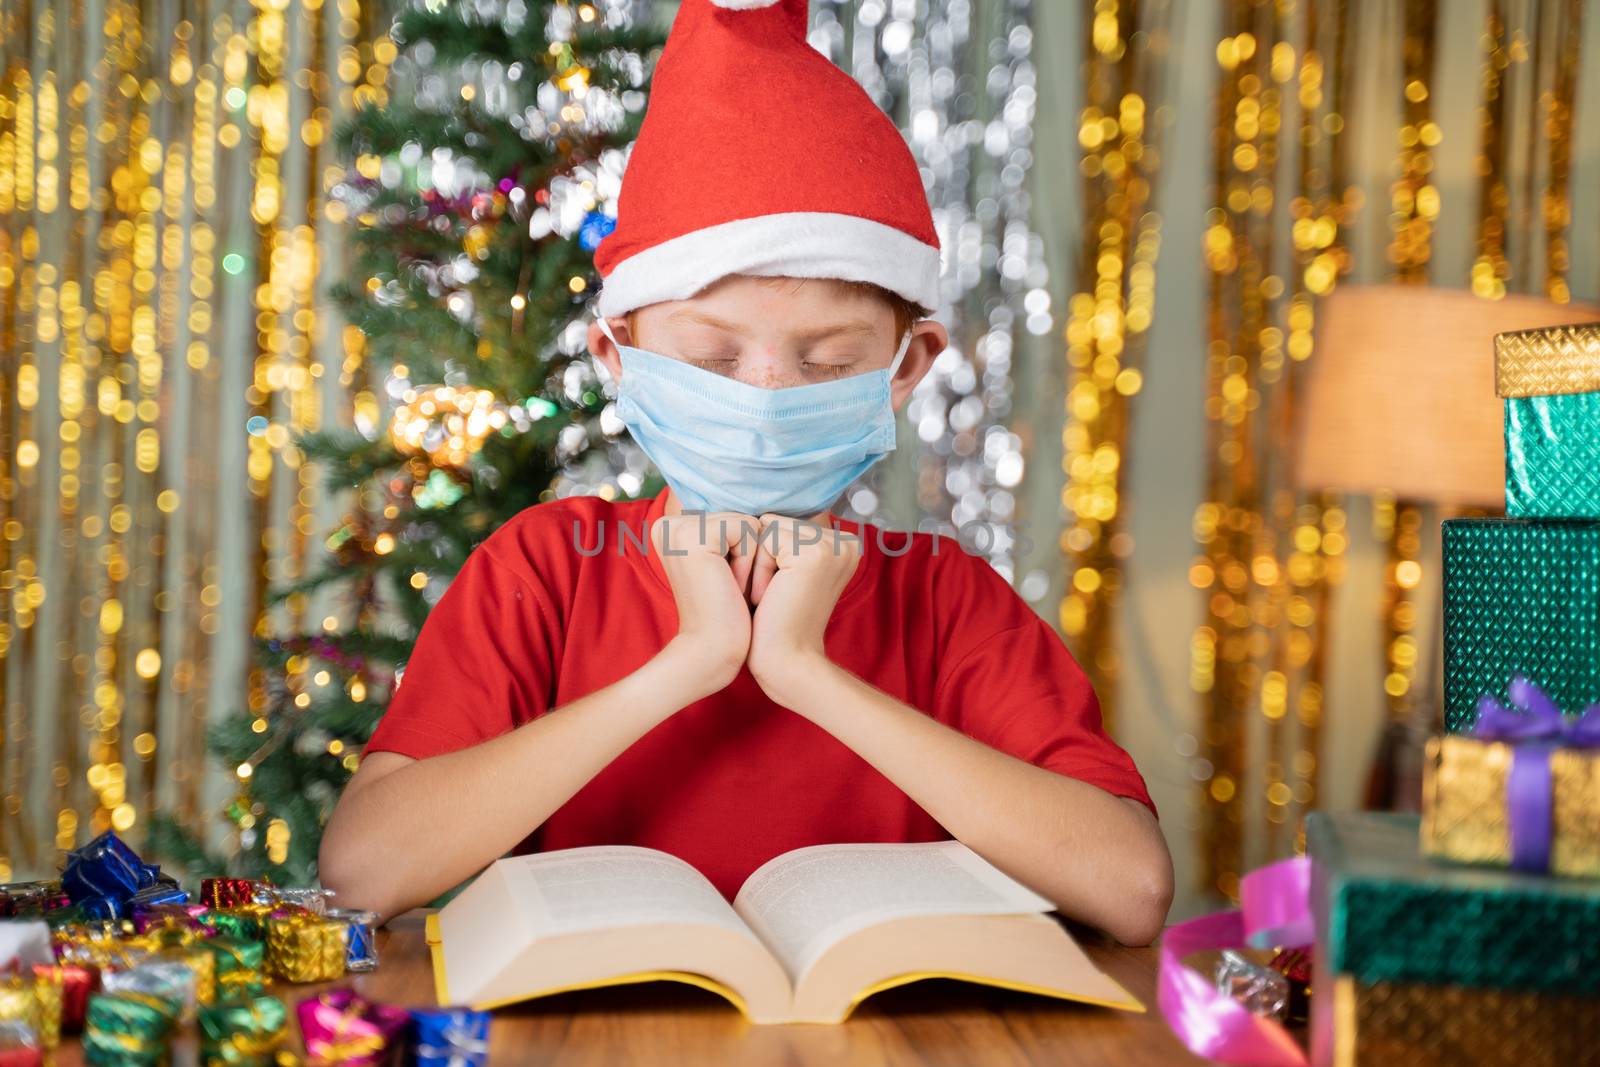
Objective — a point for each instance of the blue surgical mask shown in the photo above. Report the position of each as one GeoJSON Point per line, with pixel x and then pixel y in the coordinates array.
{"type": "Point", "coordinates": [723, 445]}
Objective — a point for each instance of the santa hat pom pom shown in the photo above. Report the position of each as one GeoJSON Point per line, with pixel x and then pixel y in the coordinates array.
{"type": "Point", "coordinates": [743, 5]}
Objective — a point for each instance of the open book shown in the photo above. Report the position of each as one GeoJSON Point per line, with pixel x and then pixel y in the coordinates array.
{"type": "Point", "coordinates": [809, 935]}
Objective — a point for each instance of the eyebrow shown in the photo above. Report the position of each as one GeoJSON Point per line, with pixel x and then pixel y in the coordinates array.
{"type": "Point", "coordinates": [852, 326]}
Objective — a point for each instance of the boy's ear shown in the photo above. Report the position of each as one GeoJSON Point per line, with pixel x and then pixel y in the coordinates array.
{"type": "Point", "coordinates": [928, 339]}
{"type": "Point", "coordinates": [606, 352]}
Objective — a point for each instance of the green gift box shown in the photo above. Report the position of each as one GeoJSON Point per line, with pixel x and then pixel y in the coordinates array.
{"type": "Point", "coordinates": [1521, 597]}
{"type": "Point", "coordinates": [1550, 379]}
{"type": "Point", "coordinates": [1425, 963]}
{"type": "Point", "coordinates": [243, 1032]}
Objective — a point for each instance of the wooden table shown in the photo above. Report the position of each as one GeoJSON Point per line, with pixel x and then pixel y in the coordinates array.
{"type": "Point", "coordinates": [937, 1021]}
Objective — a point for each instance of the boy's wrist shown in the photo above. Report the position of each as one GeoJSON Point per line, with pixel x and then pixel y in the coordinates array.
{"type": "Point", "coordinates": [695, 671]}
{"type": "Point", "coordinates": [796, 679]}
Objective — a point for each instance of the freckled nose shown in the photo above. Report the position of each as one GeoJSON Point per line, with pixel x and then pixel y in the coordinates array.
{"type": "Point", "coordinates": [766, 369]}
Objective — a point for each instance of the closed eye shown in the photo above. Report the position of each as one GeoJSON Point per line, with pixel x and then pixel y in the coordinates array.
{"type": "Point", "coordinates": [719, 364]}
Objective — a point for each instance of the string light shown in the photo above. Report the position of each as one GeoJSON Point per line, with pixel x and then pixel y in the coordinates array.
{"type": "Point", "coordinates": [1268, 555]}
{"type": "Point", "coordinates": [1414, 207]}
{"type": "Point", "coordinates": [1562, 106]}
{"type": "Point", "coordinates": [969, 463]}
{"type": "Point", "coordinates": [115, 280]}
{"type": "Point", "coordinates": [1108, 320]}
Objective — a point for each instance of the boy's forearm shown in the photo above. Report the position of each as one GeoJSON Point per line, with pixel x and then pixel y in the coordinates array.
{"type": "Point", "coordinates": [1100, 858]}
{"type": "Point", "coordinates": [425, 827]}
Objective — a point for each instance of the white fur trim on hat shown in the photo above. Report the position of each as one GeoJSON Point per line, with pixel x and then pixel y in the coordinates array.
{"type": "Point", "coordinates": [743, 5]}
{"type": "Point", "coordinates": [796, 244]}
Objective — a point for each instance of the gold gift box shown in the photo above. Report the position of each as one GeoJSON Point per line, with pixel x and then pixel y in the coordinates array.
{"type": "Point", "coordinates": [1464, 814]}
{"type": "Point", "coordinates": [1422, 1025]}
{"type": "Point", "coordinates": [1551, 361]}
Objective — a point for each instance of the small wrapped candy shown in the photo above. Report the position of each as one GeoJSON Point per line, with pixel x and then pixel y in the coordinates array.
{"type": "Point", "coordinates": [171, 931]}
{"type": "Point", "coordinates": [77, 983]}
{"type": "Point", "coordinates": [305, 948]}
{"type": "Point", "coordinates": [170, 980]}
{"type": "Point", "coordinates": [1259, 988]}
{"type": "Point", "coordinates": [198, 960]}
{"type": "Point", "coordinates": [239, 966]}
{"type": "Point", "coordinates": [163, 915]}
{"type": "Point", "coordinates": [361, 943]}
{"type": "Point", "coordinates": [245, 920]}
{"type": "Point", "coordinates": [93, 929]}
{"type": "Point", "coordinates": [91, 946]}
{"type": "Point", "coordinates": [312, 898]}
{"type": "Point", "coordinates": [158, 894]}
{"type": "Point", "coordinates": [450, 1037]}
{"type": "Point", "coordinates": [105, 868]}
{"type": "Point", "coordinates": [1295, 965]}
{"type": "Point", "coordinates": [96, 909]}
{"type": "Point", "coordinates": [227, 892]}
{"type": "Point", "coordinates": [243, 1031]}
{"type": "Point", "coordinates": [341, 1027]}
{"type": "Point", "coordinates": [27, 899]}
{"type": "Point", "coordinates": [127, 1029]}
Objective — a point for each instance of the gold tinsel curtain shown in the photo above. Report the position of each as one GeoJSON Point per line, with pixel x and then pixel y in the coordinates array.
{"type": "Point", "coordinates": [1297, 82]}
{"type": "Point", "coordinates": [1333, 137]}
{"type": "Point", "coordinates": [164, 238]}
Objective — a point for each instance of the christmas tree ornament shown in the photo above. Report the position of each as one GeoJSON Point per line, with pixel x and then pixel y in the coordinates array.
{"type": "Point", "coordinates": [445, 424]}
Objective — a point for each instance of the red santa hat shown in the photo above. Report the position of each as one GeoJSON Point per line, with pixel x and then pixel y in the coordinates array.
{"type": "Point", "coordinates": [758, 156]}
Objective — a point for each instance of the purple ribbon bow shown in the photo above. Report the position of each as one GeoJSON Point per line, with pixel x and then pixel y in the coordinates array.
{"type": "Point", "coordinates": [1534, 732]}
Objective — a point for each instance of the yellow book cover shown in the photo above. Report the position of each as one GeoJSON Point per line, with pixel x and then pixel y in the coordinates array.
{"type": "Point", "coordinates": [810, 935]}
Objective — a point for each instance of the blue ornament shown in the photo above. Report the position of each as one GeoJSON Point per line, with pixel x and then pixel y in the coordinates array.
{"type": "Point", "coordinates": [596, 225]}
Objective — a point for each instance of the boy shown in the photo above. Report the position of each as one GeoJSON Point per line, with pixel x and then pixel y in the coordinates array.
{"type": "Point", "coordinates": [729, 671]}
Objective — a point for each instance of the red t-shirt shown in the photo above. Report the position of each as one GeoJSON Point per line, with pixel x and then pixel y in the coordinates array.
{"type": "Point", "coordinates": [568, 597]}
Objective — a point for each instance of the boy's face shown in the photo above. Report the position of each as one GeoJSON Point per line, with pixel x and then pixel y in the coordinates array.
{"type": "Point", "coordinates": [777, 332]}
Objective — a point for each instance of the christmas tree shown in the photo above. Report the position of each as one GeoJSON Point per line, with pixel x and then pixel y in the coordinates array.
{"type": "Point", "coordinates": [475, 199]}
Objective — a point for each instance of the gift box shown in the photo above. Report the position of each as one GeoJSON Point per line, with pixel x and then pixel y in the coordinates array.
{"type": "Point", "coordinates": [1521, 598]}
{"type": "Point", "coordinates": [449, 1037]}
{"type": "Point", "coordinates": [340, 1026]}
{"type": "Point", "coordinates": [1522, 790]}
{"type": "Point", "coordinates": [127, 1029]}
{"type": "Point", "coordinates": [305, 948]}
{"type": "Point", "coordinates": [1424, 963]}
{"type": "Point", "coordinates": [1550, 380]}
{"type": "Point", "coordinates": [244, 1031]}
{"type": "Point", "coordinates": [239, 964]}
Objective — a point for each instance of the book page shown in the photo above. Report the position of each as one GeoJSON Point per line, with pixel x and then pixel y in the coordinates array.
{"type": "Point", "coordinates": [607, 886]}
{"type": "Point", "coordinates": [804, 901]}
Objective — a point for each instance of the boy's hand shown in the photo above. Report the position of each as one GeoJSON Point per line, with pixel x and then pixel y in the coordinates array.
{"type": "Point", "coordinates": [708, 558]}
{"type": "Point", "coordinates": [800, 570]}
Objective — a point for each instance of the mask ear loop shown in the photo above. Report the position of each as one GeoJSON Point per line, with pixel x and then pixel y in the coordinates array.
{"type": "Point", "coordinates": [605, 328]}
{"type": "Point", "coordinates": [894, 365]}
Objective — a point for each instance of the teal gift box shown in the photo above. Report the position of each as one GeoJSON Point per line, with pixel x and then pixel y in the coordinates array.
{"type": "Point", "coordinates": [1521, 597]}
{"type": "Point", "coordinates": [1550, 380]}
{"type": "Point", "coordinates": [1386, 913]}
{"type": "Point", "coordinates": [1433, 965]}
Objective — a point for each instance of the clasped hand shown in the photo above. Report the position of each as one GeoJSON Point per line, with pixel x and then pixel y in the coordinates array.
{"type": "Point", "coordinates": [756, 591]}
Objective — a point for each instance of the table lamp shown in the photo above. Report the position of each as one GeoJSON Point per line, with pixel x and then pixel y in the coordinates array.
{"type": "Point", "coordinates": [1400, 398]}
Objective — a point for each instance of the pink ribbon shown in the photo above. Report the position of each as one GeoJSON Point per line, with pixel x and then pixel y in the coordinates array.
{"type": "Point", "coordinates": [1275, 912]}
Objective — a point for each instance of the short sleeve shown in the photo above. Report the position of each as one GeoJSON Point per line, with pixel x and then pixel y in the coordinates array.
{"type": "Point", "coordinates": [482, 664]}
{"type": "Point", "coordinates": [1007, 679]}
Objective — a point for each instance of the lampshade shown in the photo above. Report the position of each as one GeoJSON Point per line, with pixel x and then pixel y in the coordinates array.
{"type": "Point", "coordinates": [1400, 392]}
